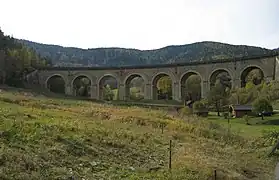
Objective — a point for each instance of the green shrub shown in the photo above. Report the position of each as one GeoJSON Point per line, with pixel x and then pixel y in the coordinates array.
{"type": "Point", "coordinates": [198, 106]}
{"type": "Point", "coordinates": [108, 93]}
{"type": "Point", "coordinates": [261, 105]}
{"type": "Point", "coordinates": [270, 136]}
{"type": "Point", "coordinates": [246, 118]}
{"type": "Point", "coordinates": [136, 96]}
{"type": "Point", "coordinates": [185, 111]}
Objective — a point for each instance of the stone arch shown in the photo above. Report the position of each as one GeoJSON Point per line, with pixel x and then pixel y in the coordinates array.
{"type": "Point", "coordinates": [108, 75]}
{"type": "Point", "coordinates": [82, 75]}
{"type": "Point", "coordinates": [155, 80]}
{"type": "Point", "coordinates": [226, 80]}
{"type": "Point", "coordinates": [127, 83]}
{"type": "Point", "coordinates": [183, 80]}
{"type": "Point", "coordinates": [76, 86]}
{"type": "Point", "coordinates": [56, 86]}
{"type": "Point", "coordinates": [245, 71]}
{"type": "Point", "coordinates": [101, 85]}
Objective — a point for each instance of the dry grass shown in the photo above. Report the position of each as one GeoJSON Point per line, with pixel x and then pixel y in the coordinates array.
{"type": "Point", "coordinates": [43, 138]}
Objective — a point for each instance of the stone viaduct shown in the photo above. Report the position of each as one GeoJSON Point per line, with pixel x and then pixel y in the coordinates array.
{"type": "Point", "coordinates": [236, 68]}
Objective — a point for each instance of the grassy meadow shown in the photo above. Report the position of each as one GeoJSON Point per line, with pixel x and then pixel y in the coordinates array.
{"type": "Point", "coordinates": [48, 138]}
{"type": "Point", "coordinates": [255, 128]}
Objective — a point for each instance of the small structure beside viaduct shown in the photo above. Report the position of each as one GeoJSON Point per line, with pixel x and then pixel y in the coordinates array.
{"type": "Point", "coordinates": [207, 71]}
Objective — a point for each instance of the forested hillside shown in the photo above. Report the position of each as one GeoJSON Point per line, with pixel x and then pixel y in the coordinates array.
{"type": "Point", "coordinates": [201, 51]}
{"type": "Point", "coordinates": [16, 60]}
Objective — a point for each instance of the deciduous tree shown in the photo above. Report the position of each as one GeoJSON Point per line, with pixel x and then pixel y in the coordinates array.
{"type": "Point", "coordinates": [262, 105]}
{"type": "Point", "coordinates": [108, 93]}
{"type": "Point", "coordinates": [218, 97]}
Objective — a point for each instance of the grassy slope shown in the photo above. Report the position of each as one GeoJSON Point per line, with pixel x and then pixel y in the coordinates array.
{"type": "Point", "coordinates": [256, 127]}
{"type": "Point", "coordinates": [58, 139]}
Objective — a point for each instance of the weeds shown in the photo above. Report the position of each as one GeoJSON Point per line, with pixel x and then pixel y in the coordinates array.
{"type": "Point", "coordinates": [43, 138]}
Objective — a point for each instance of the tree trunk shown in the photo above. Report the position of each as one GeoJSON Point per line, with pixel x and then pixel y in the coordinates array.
{"type": "Point", "coordinates": [262, 116]}
{"type": "Point", "coordinates": [217, 108]}
{"type": "Point", "coordinates": [237, 99]}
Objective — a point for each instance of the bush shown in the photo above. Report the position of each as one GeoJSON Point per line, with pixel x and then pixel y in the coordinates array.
{"type": "Point", "coordinates": [108, 93]}
{"type": "Point", "coordinates": [246, 118]}
{"type": "Point", "coordinates": [226, 115]}
{"type": "Point", "coordinates": [261, 105]}
{"type": "Point", "coordinates": [82, 91]}
{"type": "Point", "coordinates": [199, 106]}
{"type": "Point", "coordinates": [136, 96]}
{"type": "Point", "coordinates": [270, 137]}
{"type": "Point", "coordinates": [185, 111]}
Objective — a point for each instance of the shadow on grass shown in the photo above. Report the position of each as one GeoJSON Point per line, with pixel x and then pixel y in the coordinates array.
{"type": "Point", "coordinates": [269, 122]}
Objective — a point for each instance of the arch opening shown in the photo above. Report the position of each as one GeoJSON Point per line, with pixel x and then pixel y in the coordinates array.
{"type": "Point", "coordinates": [108, 88]}
{"type": "Point", "coordinates": [82, 86]}
{"type": "Point", "coordinates": [252, 74]}
{"type": "Point", "coordinates": [134, 87]}
{"type": "Point", "coordinates": [190, 87]}
{"type": "Point", "coordinates": [221, 77]}
{"type": "Point", "coordinates": [162, 87]}
{"type": "Point", "coordinates": [56, 84]}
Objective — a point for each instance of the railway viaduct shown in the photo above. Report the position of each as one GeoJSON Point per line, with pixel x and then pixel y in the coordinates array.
{"type": "Point", "coordinates": [207, 71]}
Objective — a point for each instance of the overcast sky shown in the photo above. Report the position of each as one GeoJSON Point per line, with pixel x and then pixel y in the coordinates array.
{"type": "Point", "coordinates": [142, 24]}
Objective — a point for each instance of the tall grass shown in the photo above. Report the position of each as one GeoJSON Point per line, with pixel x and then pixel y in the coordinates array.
{"type": "Point", "coordinates": [43, 138]}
